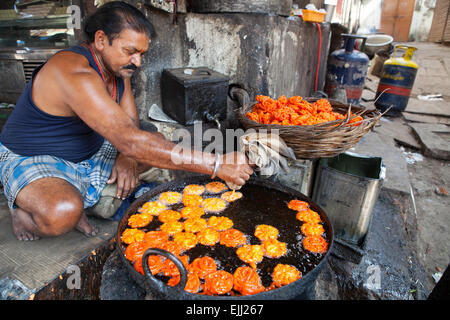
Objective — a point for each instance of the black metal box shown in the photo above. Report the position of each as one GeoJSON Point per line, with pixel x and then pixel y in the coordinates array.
{"type": "Point", "coordinates": [194, 94]}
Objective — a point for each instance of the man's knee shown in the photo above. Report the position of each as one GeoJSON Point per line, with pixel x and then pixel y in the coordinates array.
{"type": "Point", "coordinates": [60, 217]}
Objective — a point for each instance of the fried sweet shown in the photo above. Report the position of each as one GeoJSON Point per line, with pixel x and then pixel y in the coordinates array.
{"type": "Point", "coordinates": [251, 254]}
{"type": "Point", "coordinates": [139, 220]}
{"type": "Point", "coordinates": [231, 196]}
{"type": "Point", "coordinates": [155, 264]}
{"type": "Point", "coordinates": [169, 215]}
{"type": "Point", "coordinates": [194, 189]}
{"type": "Point", "coordinates": [152, 207]}
{"type": "Point", "coordinates": [312, 229]}
{"type": "Point", "coordinates": [220, 223]}
{"type": "Point", "coordinates": [218, 282]}
{"type": "Point", "coordinates": [187, 240]}
{"type": "Point", "coordinates": [155, 239]}
{"type": "Point", "coordinates": [232, 238]}
{"type": "Point", "coordinates": [265, 232]}
{"type": "Point", "coordinates": [247, 281]}
{"type": "Point", "coordinates": [132, 235]}
{"type": "Point", "coordinates": [214, 205]}
{"type": "Point", "coordinates": [192, 212]}
{"type": "Point", "coordinates": [284, 274]}
{"type": "Point", "coordinates": [135, 250]}
{"type": "Point", "coordinates": [298, 205]}
{"type": "Point", "coordinates": [308, 216]}
{"type": "Point", "coordinates": [172, 227]}
{"type": "Point", "coordinates": [192, 200]}
{"type": "Point", "coordinates": [315, 244]}
{"type": "Point", "coordinates": [169, 197]}
{"type": "Point", "coordinates": [170, 269]}
{"type": "Point", "coordinates": [192, 284]}
{"type": "Point", "coordinates": [208, 236]}
{"type": "Point", "coordinates": [202, 266]}
{"type": "Point", "coordinates": [195, 225]}
{"type": "Point", "coordinates": [215, 187]}
{"type": "Point", "coordinates": [274, 248]}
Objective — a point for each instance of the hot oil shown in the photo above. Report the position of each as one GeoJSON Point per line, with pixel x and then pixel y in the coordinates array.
{"type": "Point", "coordinates": [259, 205]}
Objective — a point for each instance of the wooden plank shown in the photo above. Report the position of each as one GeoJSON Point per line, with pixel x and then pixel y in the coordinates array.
{"type": "Point", "coordinates": [281, 7]}
{"type": "Point", "coordinates": [439, 22]}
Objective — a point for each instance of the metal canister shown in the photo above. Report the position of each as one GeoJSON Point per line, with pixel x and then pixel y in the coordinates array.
{"type": "Point", "coordinates": [396, 82]}
{"type": "Point", "coordinates": [347, 70]}
{"type": "Point", "coordinates": [347, 188]}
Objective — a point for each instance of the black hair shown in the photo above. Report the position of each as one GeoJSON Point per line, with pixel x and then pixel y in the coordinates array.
{"type": "Point", "coordinates": [113, 17]}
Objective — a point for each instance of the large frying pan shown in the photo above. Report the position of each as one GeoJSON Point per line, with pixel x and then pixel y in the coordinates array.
{"type": "Point", "coordinates": [264, 202]}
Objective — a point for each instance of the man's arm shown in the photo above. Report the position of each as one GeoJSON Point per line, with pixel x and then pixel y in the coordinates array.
{"type": "Point", "coordinates": [125, 170]}
{"type": "Point", "coordinates": [86, 95]}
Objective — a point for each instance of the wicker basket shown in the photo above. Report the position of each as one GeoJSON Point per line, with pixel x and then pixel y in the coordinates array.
{"type": "Point", "coordinates": [322, 140]}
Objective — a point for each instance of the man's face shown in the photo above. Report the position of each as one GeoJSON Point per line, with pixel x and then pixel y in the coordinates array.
{"type": "Point", "coordinates": [124, 55]}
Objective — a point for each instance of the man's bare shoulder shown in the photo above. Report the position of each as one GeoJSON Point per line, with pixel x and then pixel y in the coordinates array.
{"type": "Point", "coordinates": [68, 63]}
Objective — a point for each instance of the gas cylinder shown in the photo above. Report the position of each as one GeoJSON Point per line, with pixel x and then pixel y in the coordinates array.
{"type": "Point", "coordinates": [397, 78]}
{"type": "Point", "coordinates": [347, 69]}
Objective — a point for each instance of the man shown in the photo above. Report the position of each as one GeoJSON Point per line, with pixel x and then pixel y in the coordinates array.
{"type": "Point", "coordinates": [58, 147]}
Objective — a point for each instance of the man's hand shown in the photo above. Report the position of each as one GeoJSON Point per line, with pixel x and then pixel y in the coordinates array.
{"type": "Point", "coordinates": [125, 174]}
{"type": "Point", "coordinates": [234, 168]}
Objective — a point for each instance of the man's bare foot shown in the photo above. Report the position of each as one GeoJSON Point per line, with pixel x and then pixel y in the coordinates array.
{"type": "Point", "coordinates": [85, 227]}
{"type": "Point", "coordinates": [18, 228]}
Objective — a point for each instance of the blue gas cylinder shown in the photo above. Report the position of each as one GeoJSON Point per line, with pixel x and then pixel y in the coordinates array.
{"type": "Point", "coordinates": [347, 69]}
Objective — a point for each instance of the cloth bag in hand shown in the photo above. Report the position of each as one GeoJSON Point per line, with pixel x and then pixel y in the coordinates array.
{"type": "Point", "coordinates": [267, 151]}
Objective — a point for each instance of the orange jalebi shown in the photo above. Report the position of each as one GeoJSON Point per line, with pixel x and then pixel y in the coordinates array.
{"type": "Point", "coordinates": [247, 281]}
{"type": "Point", "coordinates": [232, 238]}
{"type": "Point", "coordinates": [274, 248]}
{"type": "Point", "coordinates": [220, 223]}
{"type": "Point", "coordinates": [155, 239]}
{"type": "Point", "coordinates": [315, 244]}
{"type": "Point", "coordinates": [202, 266]}
{"type": "Point", "coordinates": [308, 216]}
{"type": "Point", "coordinates": [208, 236]}
{"type": "Point", "coordinates": [251, 254]}
{"type": "Point", "coordinates": [132, 235]}
{"type": "Point", "coordinates": [298, 205]}
{"type": "Point", "coordinates": [312, 229]}
{"type": "Point", "coordinates": [139, 220]}
{"type": "Point", "coordinates": [192, 200]}
{"type": "Point", "coordinates": [218, 282]}
{"type": "Point", "coordinates": [169, 215]}
{"type": "Point", "coordinates": [284, 274]}
{"type": "Point", "coordinates": [192, 212]}
{"type": "Point", "coordinates": [295, 111]}
{"type": "Point", "coordinates": [192, 284]}
{"type": "Point", "coordinates": [187, 240]}
{"type": "Point", "coordinates": [264, 232]}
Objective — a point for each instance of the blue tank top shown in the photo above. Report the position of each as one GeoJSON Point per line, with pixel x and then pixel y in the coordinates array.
{"type": "Point", "coordinates": [29, 131]}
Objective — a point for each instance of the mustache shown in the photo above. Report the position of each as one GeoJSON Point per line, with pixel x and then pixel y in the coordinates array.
{"type": "Point", "coordinates": [131, 67]}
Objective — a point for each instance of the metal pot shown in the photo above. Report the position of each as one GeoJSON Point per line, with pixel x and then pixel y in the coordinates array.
{"type": "Point", "coordinates": [263, 202]}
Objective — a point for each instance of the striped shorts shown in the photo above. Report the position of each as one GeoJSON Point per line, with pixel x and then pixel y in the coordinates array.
{"type": "Point", "coordinates": [88, 176]}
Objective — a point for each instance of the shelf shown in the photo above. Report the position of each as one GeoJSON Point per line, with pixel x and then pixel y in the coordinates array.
{"type": "Point", "coordinates": [36, 23]}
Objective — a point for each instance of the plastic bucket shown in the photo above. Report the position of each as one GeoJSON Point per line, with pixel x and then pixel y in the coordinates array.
{"type": "Point", "coordinates": [347, 188]}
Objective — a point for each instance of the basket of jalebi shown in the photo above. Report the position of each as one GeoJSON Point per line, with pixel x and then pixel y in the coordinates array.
{"type": "Point", "coordinates": [312, 127]}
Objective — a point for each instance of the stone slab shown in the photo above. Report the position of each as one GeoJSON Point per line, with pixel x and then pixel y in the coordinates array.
{"type": "Point", "coordinates": [435, 139]}
{"type": "Point", "coordinates": [398, 131]}
{"type": "Point", "coordinates": [414, 117]}
{"type": "Point", "coordinates": [377, 145]}
{"type": "Point", "coordinates": [439, 108]}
